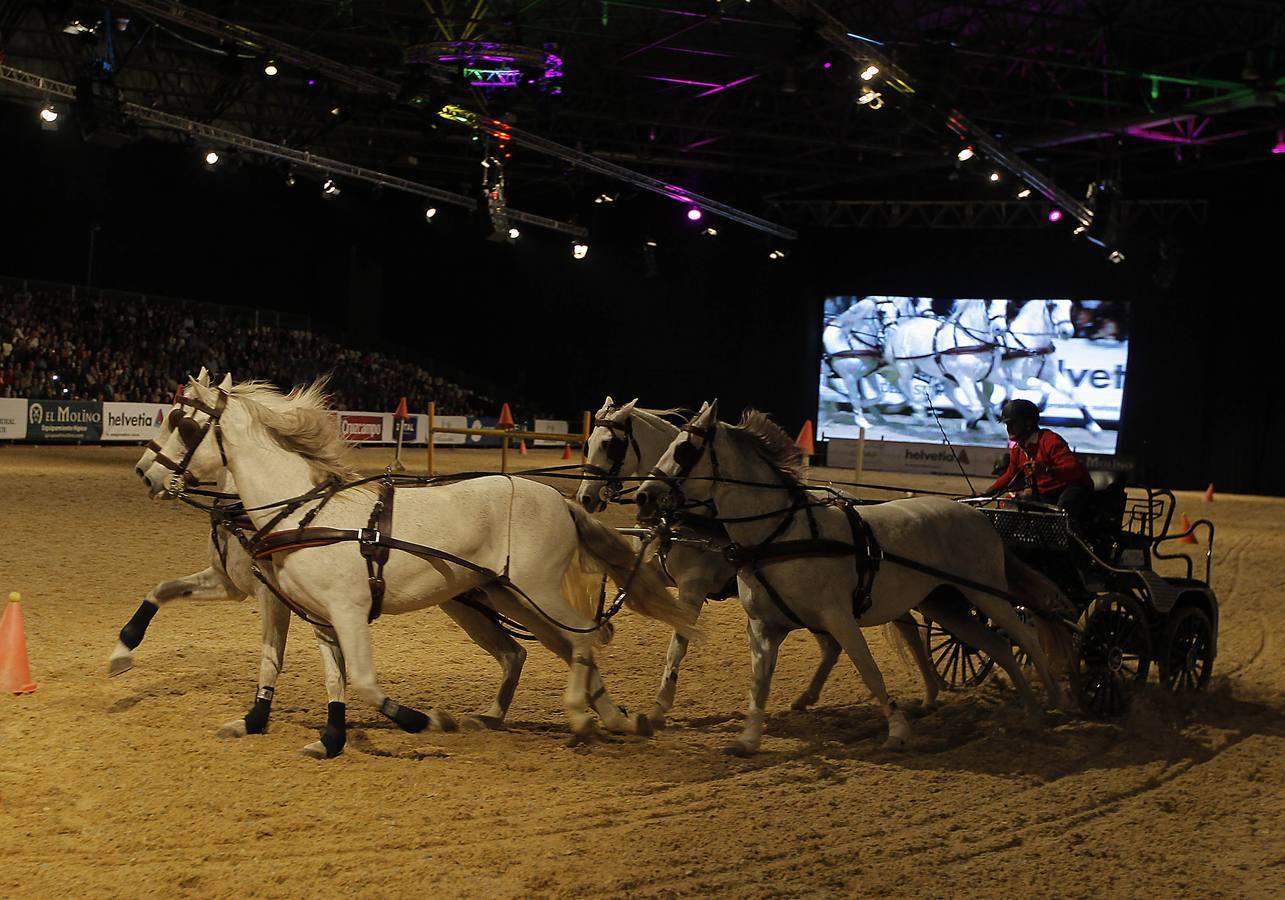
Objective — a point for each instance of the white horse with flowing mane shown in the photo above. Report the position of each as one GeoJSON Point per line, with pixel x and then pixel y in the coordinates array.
{"type": "Point", "coordinates": [628, 440]}
{"type": "Point", "coordinates": [960, 351]}
{"type": "Point", "coordinates": [806, 561]}
{"type": "Point", "coordinates": [230, 577]}
{"type": "Point", "coordinates": [519, 541]}
{"type": "Point", "coordinates": [852, 349]}
{"type": "Point", "coordinates": [1029, 359]}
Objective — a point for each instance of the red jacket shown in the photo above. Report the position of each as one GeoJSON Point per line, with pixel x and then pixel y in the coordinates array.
{"type": "Point", "coordinates": [1057, 468]}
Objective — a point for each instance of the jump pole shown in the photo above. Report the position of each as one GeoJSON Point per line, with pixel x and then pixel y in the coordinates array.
{"type": "Point", "coordinates": [432, 413]}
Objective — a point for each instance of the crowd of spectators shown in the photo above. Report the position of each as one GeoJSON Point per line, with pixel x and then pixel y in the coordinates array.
{"type": "Point", "coordinates": [56, 345]}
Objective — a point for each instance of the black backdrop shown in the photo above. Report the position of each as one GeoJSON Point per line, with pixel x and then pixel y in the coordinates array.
{"type": "Point", "coordinates": [711, 318]}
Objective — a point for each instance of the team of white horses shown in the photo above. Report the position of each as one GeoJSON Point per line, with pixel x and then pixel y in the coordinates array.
{"type": "Point", "coordinates": [508, 552]}
{"type": "Point", "coordinates": [970, 355]}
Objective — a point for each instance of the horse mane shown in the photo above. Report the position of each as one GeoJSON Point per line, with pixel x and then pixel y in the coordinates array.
{"type": "Point", "coordinates": [771, 442]}
{"type": "Point", "coordinates": [300, 422]}
{"type": "Point", "coordinates": [657, 417]}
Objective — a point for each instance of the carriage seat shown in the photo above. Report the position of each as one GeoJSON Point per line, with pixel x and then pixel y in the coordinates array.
{"type": "Point", "coordinates": [1106, 506]}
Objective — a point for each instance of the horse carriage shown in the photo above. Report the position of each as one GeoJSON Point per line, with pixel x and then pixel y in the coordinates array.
{"type": "Point", "coordinates": [1124, 615]}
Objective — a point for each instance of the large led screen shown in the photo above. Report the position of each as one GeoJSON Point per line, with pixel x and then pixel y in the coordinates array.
{"type": "Point", "coordinates": [913, 368]}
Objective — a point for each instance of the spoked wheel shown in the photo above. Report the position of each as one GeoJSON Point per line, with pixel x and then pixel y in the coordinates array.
{"type": "Point", "coordinates": [1115, 654]}
{"type": "Point", "coordinates": [959, 665]}
{"type": "Point", "coordinates": [1188, 653]}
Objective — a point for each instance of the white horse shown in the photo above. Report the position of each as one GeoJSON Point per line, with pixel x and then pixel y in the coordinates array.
{"type": "Point", "coordinates": [852, 349]}
{"type": "Point", "coordinates": [230, 577]}
{"type": "Point", "coordinates": [959, 351]}
{"type": "Point", "coordinates": [1029, 358]}
{"type": "Point", "coordinates": [627, 441]}
{"type": "Point", "coordinates": [815, 551]}
{"type": "Point", "coordinates": [519, 541]}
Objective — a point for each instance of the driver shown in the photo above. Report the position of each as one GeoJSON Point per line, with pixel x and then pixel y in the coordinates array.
{"type": "Point", "coordinates": [1040, 463]}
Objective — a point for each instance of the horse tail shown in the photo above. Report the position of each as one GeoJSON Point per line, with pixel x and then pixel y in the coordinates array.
{"type": "Point", "coordinates": [892, 635]}
{"type": "Point", "coordinates": [646, 593]}
{"type": "Point", "coordinates": [1039, 594]}
{"type": "Point", "coordinates": [581, 590]}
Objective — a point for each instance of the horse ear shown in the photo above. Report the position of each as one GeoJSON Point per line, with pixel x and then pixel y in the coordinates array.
{"type": "Point", "coordinates": [203, 378]}
{"type": "Point", "coordinates": [710, 413]}
{"type": "Point", "coordinates": [608, 403]}
{"type": "Point", "coordinates": [629, 407]}
{"type": "Point", "coordinates": [226, 383]}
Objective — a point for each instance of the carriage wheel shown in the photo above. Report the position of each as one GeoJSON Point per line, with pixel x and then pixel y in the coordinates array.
{"type": "Point", "coordinates": [1188, 653]}
{"type": "Point", "coordinates": [1115, 654]}
{"type": "Point", "coordinates": [959, 665]}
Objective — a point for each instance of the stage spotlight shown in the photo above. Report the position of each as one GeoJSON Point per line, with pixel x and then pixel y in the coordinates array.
{"type": "Point", "coordinates": [606, 198]}
{"type": "Point", "coordinates": [1055, 215]}
{"type": "Point", "coordinates": [329, 188]}
{"type": "Point", "coordinates": [1078, 229]}
{"type": "Point", "coordinates": [75, 26]}
{"type": "Point", "coordinates": [212, 158]}
{"type": "Point", "coordinates": [1023, 193]}
{"type": "Point", "coordinates": [870, 97]}
{"type": "Point", "coordinates": [776, 254]}
{"type": "Point", "coordinates": [994, 177]}
{"type": "Point", "coordinates": [650, 243]}
{"type": "Point", "coordinates": [966, 154]}
{"type": "Point", "coordinates": [335, 110]}
{"type": "Point", "coordinates": [270, 69]}
{"type": "Point", "coordinates": [514, 234]}
{"type": "Point", "coordinates": [710, 232]}
{"type": "Point", "coordinates": [429, 213]}
{"type": "Point", "coordinates": [1115, 256]}
{"type": "Point", "coordinates": [869, 72]}
{"type": "Point", "coordinates": [694, 214]}
{"type": "Point", "coordinates": [48, 114]}
{"type": "Point", "coordinates": [579, 250]}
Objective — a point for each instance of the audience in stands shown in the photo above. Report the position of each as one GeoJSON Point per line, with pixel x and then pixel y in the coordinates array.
{"type": "Point", "coordinates": [55, 346]}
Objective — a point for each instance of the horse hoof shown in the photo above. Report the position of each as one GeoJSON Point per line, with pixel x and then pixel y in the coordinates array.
{"type": "Point", "coordinates": [122, 660]}
{"type": "Point", "coordinates": [315, 750]}
{"type": "Point", "coordinates": [642, 726]}
{"type": "Point", "coordinates": [658, 719]}
{"type": "Point", "coordinates": [234, 729]}
{"type": "Point", "coordinates": [442, 720]}
{"type": "Point", "coordinates": [803, 702]}
{"type": "Point", "coordinates": [482, 723]}
{"type": "Point", "coordinates": [739, 749]}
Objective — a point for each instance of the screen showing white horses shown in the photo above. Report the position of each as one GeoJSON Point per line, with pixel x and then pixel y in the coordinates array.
{"type": "Point", "coordinates": [915, 369]}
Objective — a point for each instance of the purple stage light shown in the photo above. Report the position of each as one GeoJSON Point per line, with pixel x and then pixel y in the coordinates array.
{"type": "Point", "coordinates": [826, 65]}
{"type": "Point", "coordinates": [694, 214]}
{"type": "Point", "coordinates": [1055, 215]}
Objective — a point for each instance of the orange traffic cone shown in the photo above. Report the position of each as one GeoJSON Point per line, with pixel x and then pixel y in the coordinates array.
{"type": "Point", "coordinates": [1186, 526]}
{"type": "Point", "coordinates": [401, 414]}
{"type": "Point", "coordinates": [521, 448]}
{"type": "Point", "coordinates": [506, 418]}
{"type": "Point", "coordinates": [1209, 493]}
{"type": "Point", "coordinates": [15, 673]}
{"type": "Point", "coordinates": [566, 451]}
{"type": "Point", "coordinates": [804, 440]}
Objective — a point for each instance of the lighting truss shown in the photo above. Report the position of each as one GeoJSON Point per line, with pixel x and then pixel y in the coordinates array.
{"type": "Point", "coordinates": [995, 214]}
{"type": "Point", "coordinates": [260, 43]}
{"type": "Point", "coordinates": [301, 158]}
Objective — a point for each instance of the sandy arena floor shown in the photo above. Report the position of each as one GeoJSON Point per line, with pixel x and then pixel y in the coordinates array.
{"type": "Point", "coordinates": [118, 787]}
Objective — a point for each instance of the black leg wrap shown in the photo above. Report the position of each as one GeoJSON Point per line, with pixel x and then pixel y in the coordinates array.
{"type": "Point", "coordinates": [407, 719]}
{"type": "Point", "coordinates": [132, 634]}
{"type": "Point", "coordinates": [256, 720]}
{"type": "Point", "coordinates": [336, 733]}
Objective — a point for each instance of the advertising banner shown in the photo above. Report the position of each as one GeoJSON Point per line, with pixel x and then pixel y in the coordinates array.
{"type": "Point", "coordinates": [558, 425]}
{"type": "Point", "coordinates": [361, 427]}
{"type": "Point", "coordinates": [131, 421]}
{"type": "Point", "coordinates": [64, 420]}
{"type": "Point", "coordinates": [450, 422]}
{"type": "Point", "coordinates": [13, 419]}
{"type": "Point", "coordinates": [905, 456]}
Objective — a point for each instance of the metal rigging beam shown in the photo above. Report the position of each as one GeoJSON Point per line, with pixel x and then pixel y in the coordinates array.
{"type": "Point", "coordinates": [262, 44]}
{"type": "Point", "coordinates": [50, 88]}
{"type": "Point", "coordinates": [862, 51]}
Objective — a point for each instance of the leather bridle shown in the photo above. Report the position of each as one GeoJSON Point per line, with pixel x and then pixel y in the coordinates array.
{"type": "Point", "coordinates": [192, 434]}
{"type": "Point", "coordinates": [686, 455]}
{"type": "Point", "coordinates": [618, 447]}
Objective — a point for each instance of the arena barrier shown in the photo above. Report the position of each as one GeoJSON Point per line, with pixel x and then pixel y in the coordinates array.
{"type": "Point", "coordinates": [504, 434]}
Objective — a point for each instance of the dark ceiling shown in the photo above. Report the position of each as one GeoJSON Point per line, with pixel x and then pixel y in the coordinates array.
{"type": "Point", "coordinates": [744, 102]}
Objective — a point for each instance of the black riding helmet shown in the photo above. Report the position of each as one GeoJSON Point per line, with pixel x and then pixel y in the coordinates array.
{"type": "Point", "coordinates": [1020, 411]}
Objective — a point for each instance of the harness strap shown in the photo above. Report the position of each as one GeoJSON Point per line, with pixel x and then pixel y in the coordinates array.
{"type": "Point", "coordinates": [376, 554]}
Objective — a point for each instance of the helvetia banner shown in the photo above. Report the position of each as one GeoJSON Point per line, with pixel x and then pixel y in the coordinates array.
{"type": "Point", "coordinates": [132, 421]}
{"type": "Point", "coordinates": [64, 420]}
